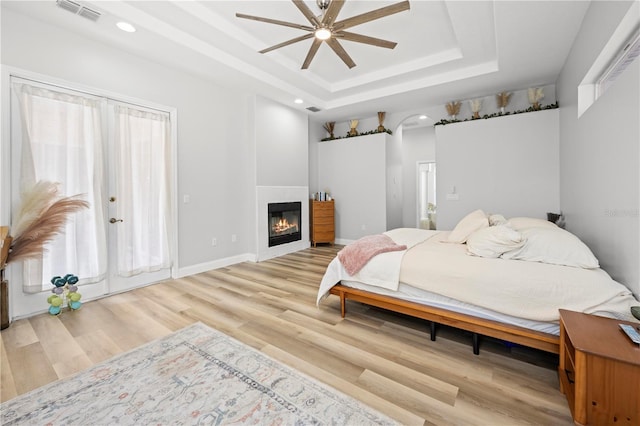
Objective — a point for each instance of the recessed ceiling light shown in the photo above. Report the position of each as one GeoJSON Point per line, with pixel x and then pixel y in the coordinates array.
{"type": "Point", "coordinates": [423, 117]}
{"type": "Point", "coordinates": [125, 26]}
{"type": "Point", "coordinates": [298, 101]}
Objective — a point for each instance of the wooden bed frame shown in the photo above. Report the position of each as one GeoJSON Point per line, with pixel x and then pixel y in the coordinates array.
{"type": "Point", "coordinates": [478, 326]}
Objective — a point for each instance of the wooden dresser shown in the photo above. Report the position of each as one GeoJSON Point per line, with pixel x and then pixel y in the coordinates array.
{"type": "Point", "coordinates": [322, 222]}
{"type": "Point", "coordinates": [599, 370]}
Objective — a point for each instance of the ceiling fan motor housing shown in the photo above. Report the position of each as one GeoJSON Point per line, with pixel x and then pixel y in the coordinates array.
{"type": "Point", "coordinates": [323, 4]}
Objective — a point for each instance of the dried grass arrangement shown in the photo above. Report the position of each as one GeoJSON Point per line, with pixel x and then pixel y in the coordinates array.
{"type": "Point", "coordinates": [535, 95]}
{"type": "Point", "coordinates": [502, 99]}
{"type": "Point", "coordinates": [353, 125]}
{"type": "Point", "coordinates": [381, 116]}
{"type": "Point", "coordinates": [329, 126]}
{"type": "Point", "coordinates": [40, 218]}
{"type": "Point", "coordinates": [476, 106]}
{"type": "Point", "coordinates": [453, 109]}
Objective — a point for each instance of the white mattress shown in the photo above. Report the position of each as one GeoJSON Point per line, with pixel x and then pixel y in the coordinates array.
{"type": "Point", "coordinates": [412, 294]}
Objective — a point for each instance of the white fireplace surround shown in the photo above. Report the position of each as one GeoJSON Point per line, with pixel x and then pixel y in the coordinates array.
{"type": "Point", "coordinates": [280, 194]}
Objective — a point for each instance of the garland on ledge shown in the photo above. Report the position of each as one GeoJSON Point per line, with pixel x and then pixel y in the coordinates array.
{"type": "Point", "coordinates": [371, 132]}
{"type": "Point", "coordinates": [497, 114]}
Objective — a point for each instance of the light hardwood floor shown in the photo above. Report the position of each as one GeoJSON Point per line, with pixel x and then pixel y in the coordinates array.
{"type": "Point", "coordinates": [384, 359]}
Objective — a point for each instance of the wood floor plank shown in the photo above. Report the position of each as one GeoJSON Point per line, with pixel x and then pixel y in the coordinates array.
{"type": "Point", "coordinates": [7, 384]}
{"type": "Point", "coordinates": [30, 367]}
{"type": "Point", "coordinates": [384, 359]}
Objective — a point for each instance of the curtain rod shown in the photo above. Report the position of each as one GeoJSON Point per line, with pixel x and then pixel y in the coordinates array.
{"type": "Point", "coordinates": [86, 92]}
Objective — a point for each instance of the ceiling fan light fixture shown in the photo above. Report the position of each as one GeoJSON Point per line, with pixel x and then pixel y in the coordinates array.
{"type": "Point", "coordinates": [323, 4]}
{"type": "Point", "coordinates": [323, 33]}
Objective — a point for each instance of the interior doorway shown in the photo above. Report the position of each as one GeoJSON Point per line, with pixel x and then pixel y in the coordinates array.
{"type": "Point", "coordinates": [426, 195]}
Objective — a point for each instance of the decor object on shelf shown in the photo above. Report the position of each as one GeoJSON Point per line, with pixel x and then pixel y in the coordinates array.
{"type": "Point", "coordinates": [353, 124]}
{"type": "Point", "coordinates": [329, 126]}
{"type": "Point", "coordinates": [196, 375]}
{"type": "Point", "coordinates": [498, 114]}
{"type": "Point", "coordinates": [381, 116]}
{"type": "Point", "coordinates": [502, 99]}
{"type": "Point", "coordinates": [325, 28]}
{"type": "Point", "coordinates": [40, 218]}
{"type": "Point", "coordinates": [453, 109]}
{"type": "Point", "coordinates": [535, 94]}
{"type": "Point", "coordinates": [476, 106]}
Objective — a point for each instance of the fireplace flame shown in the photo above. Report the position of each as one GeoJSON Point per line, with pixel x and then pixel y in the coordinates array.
{"type": "Point", "coordinates": [283, 225]}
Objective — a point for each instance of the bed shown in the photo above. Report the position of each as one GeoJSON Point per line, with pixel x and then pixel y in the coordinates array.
{"type": "Point", "coordinates": [489, 276]}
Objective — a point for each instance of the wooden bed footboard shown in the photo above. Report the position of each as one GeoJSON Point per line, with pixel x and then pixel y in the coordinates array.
{"type": "Point", "coordinates": [534, 339]}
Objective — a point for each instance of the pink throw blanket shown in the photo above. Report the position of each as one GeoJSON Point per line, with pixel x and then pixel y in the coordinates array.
{"type": "Point", "coordinates": [354, 256]}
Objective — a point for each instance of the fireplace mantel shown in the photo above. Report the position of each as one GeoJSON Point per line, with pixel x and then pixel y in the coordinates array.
{"type": "Point", "coordinates": [279, 194]}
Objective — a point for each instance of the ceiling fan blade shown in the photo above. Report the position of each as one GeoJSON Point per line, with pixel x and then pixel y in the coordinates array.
{"type": "Point", "coordinates": [332, 12]}
{"type": "Point", "coordinates": [312, 52]}
{"type": "Point", "coordinates": [302, 6]}
{"type": "Point", "coordinates": [286, 43]}
{"type": "Point", "coordinates": [359, 38]}
{"type": "Point", "coordinates": [275, 21]}
{"type": "Point", "coordinates": [371, 16]}
{"type": "Point", "coordinates": [337, 47]}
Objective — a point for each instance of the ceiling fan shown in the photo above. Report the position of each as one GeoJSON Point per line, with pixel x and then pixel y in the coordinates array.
{"type": "Point", "coordinates": [325, 28]}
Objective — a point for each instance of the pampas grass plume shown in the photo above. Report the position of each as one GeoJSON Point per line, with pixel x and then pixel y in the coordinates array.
{"type": "Point", "coordinates": [34, 202]}
{"type": "Point", "coordinates": [453, 108]}
{"type": "Point", "coordinates": [41, 217]}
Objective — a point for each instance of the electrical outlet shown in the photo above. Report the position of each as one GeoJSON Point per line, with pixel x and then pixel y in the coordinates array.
{"type": "Point", "coordinates": [214, 242]}
{"type": "Point", "coordinates": [364, 227]}
{"type": "Point", "coordinates": [186, 199]}
{"type": "Point", "coordinates": [234, 238]}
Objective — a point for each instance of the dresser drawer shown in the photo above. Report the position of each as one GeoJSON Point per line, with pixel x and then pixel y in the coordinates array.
{"type": "Point", "coordinates": [323, 220]}
{"type": "Point", "coordinates": [323, 236]}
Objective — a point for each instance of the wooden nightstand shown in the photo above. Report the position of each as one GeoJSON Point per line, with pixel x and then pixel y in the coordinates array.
{"type": "Point", "coordinates": [599, 370]}
{"type": "Point", "coordinates": [322, 222]}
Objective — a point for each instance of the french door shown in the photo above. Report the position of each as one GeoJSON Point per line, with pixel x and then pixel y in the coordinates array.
{"type": "Point", "coordinates": [118, 156]}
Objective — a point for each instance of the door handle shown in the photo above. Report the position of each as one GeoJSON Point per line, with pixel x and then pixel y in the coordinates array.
{"type": "Point", "coordinates": [114, 220]}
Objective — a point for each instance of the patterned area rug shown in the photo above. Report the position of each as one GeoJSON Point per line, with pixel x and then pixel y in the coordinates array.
{"type": "Point", "coordinates": [194, 376]}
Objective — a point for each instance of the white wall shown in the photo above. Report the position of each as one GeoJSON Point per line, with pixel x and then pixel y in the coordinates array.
{"type": "Point", "coordinates": [600, 154]}
{"type": "Point", "coordinates": [507, 165]}
{"type": "Point", "coordinates": [282, 151]}
{"type": "Point", "coordinates": [215, 148]}
{"type": "Point", "coordinates": [418, 144]}
{"type": "Point", "coordinates": [394, 180]}
{"type": "Point", "coordinates": [352, 171]}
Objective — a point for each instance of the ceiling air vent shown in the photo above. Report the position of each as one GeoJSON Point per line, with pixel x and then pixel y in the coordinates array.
{"type": "Point", "coordinates": [78, 9]}
{"type": "Point", "coordinates": [313, 109]}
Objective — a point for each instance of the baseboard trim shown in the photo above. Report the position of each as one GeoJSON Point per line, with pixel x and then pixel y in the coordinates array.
{"type": "Point", "coordinates": [215, 264]}
{"type": "Point", "coordinates": [343, 242]}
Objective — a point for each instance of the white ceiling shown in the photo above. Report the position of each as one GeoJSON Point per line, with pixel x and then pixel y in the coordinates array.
{"type": "Point", "coordinates": [447, 50]}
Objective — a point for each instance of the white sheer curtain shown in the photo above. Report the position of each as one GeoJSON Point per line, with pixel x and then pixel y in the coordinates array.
{"type": "Point", "coordinates": [142, 147]}
{"type": "Point", "coordinates": [62, 142]}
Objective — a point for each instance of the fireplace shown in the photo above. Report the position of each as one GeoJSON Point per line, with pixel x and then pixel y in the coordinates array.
{"type": "Point", "coordinates": [284, 222]}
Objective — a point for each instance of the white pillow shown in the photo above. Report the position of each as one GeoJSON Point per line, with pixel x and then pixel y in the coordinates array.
{"type": "Point", "coordinates": [496, 219]}
{"type": "Point", "coordinates": [554, 246]}
{"type": "Point", "coordinates": [468, 225]}
{"type": "Point", "coordinates": [522, 223]}
{"type": "Point", "coordinates": [494, 241]}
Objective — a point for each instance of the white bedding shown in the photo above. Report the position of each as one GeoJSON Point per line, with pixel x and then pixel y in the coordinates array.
{"type": "Point", "coordinates": [383, 270]}
{"type": "Point", "coordinates": [530, 290]}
